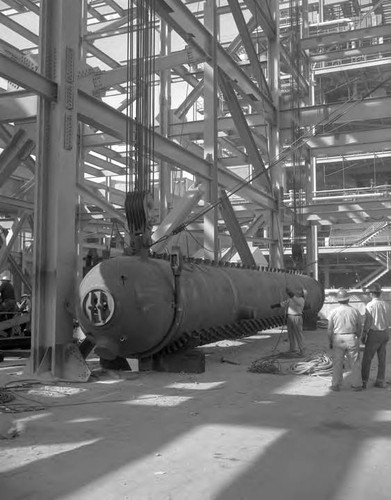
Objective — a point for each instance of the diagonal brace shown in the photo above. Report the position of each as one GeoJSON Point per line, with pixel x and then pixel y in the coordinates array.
{"type": "Point", "coordinates": [235, 231]}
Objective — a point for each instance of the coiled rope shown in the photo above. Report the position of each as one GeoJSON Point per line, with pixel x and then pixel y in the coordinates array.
{"type": "Point", "coordinates": [6, 396]}
{"type": "Point", "coordinates": [265, 366]}
{"type": "Point", "coordinates": [317, 364]}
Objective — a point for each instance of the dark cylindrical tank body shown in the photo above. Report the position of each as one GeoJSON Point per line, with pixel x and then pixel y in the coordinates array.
{"type": "Point", "coordinates": [128, 304]}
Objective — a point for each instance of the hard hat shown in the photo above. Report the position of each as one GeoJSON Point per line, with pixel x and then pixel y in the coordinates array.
{"type": "Point", "coordinates": [6, 276]}
{"type": "Point", "coordinates": [374, 288]}
{"type": "Point", "coordinates": [342, 295]}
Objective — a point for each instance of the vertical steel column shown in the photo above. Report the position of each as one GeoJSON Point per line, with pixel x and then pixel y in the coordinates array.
{"type": "Point", "coordinates": [54, 261]}
{"type": "Point", "coordinates": [276, 258]}
{"type": "Point", "coordinates": [312, 266]}
{"type": "Point", "coordinates": [305, 29]}
{"type": "Point", "coordinates": [321, 11]}
{"type": "Point", "coordinates": [164, 115]}
{"type": "Point", "coordinates": [82, 152]}
{"type": "Point", "coordinates": [312, 250]}
{"type": "Point", "coordinates": [211, 242]}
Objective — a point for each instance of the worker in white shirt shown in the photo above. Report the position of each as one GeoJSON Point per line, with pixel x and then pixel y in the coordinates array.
{"type": "Point", "coordinates": [344, 330]}
{"type": "Point", "coordinates": [294, 305]}
{"type": "Point", "coordinates": [375, 336]}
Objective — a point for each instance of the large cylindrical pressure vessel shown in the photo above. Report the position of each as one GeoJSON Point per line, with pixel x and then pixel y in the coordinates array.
{"type": "Point", "coordinates": [133, 306]}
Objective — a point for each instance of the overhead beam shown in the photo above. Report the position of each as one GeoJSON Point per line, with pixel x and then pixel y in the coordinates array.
{"type": "Point", "coordinates": [261, 12]}
{"type": "Point", "coordinates": [339, 37]}
{"type": "Point", "coordinates": [27, 78]}
{"type": "Point", "coordinates": [110, 27]}
{"type": "Point", "coordinates": [17, 106]}
{"type": "Point", "coordinates": [107, 79]}
{"type": "Point", "coordinates": [368, 109]}
{"type": "Point", "coordinates": [353, 66]}
{"type": "Point", "coordinates": [195, 34]}
{"type": "Point", "coordinates": [14, 4]}
{"type": "Point", "coordinates": [97, 199]}
{"type": "Point", "coordinates": [375, 108]}
{"type": "Point", "coordinates": [92, 140]}
{"type": "Point", "coordinates": [198, 89]}
{"type": "Point", "coordinates": [17, 151]}
{"type": "Point", "coordinates": [327, 3]}
{"type": "Point", "coordinates": [342, 208]}
{"type": "Point", "coordinates": [338, 143]}
{"type": "Point", "coordinates": [105, 164]}
{"type": "Point", "coordinates": [111, 121]}
{"type": "Point", "coordinates": [332, 55]}
{"type": "Point", "coordinates": [244, 132]}
{"type": "Point", "coordinates": [352, 149]}
{"type": "Point", "coordinates": [236, 43]}
{"type": "Point", "coordinates": [19, 29]}
{"type": "Point", "coordinates": [15, 204]}
{"type": "Point", "coordinates": [249, 46]}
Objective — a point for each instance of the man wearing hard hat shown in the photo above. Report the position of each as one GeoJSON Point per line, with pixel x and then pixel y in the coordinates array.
{"type": "Point", "coordinates": [375, 336]}
{"type": "Point", "coordinates": [344, 329]}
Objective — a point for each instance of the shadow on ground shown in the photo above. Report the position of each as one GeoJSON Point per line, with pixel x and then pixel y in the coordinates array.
{"type": "Point", "coordinates": [224, 434]}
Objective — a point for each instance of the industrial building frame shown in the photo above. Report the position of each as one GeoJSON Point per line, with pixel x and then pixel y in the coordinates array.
{"type": "Point", "coordinates": [271, 135]}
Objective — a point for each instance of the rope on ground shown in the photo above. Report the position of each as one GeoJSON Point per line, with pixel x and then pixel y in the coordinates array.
{"type": "Point", "coordinates": [317, 364]}
{"type": "Point", "coordinates": [12, 390]}
{"type": "Point", "coordinates": [6, 396]}
{"type": "Point", "coordinates": [269, 364]}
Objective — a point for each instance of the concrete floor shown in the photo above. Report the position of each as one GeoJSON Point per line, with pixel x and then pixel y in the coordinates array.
{"type": "Point", "coordinates": [227, 434]}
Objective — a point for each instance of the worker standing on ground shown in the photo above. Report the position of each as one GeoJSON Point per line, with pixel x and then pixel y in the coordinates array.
{"type": "Point", "coordinates": [294, 309]}
{"type": "Point", "coordinates": [344, 330]}
{"type": "Point", "coordinates": [375, 336]}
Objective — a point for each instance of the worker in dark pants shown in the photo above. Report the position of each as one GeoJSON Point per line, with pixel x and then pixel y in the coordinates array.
{"type": "Point", "coordinates": [344, 330]}
{"type": "Point", "coordinates": [294, 309]}
{"type": "Point", "coordinates": [7, 300]}
{"type": "Point", "coordinates": [375, 336]}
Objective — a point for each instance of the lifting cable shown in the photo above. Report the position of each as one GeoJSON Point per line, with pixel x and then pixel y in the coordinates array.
{"type": "Point", "coordinates": [129, 96]}
{"type": "Point", "coordinates": [140, 95]}
{"type": "Point", "coordinates": [322, 126]}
